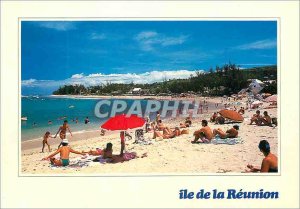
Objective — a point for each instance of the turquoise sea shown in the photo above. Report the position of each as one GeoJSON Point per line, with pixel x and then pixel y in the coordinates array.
{"type": "Point", "coordinates": [39, 111]}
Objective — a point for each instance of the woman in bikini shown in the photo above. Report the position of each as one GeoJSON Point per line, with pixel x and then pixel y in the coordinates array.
{"type": "Point", "coordinates": [104, 152]}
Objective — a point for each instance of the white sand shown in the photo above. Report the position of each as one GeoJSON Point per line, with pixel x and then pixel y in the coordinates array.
{"type": "Point", "coordinates": [175, 155]}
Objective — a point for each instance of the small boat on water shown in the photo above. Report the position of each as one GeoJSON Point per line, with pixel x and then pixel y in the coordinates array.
{"type": "Point", "coordinates": [23, 118]}
{"type": "Point", "coordinates": [71, 106]}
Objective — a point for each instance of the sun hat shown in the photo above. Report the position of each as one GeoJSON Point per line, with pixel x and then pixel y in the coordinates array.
{"type": "Point", "coordinates": [65, 141]}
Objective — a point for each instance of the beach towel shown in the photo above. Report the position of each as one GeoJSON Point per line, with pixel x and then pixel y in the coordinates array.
{"type": "Point", "coordinates": [129, 156]}
{"type": "Point", "coordinates": [77, 163]}
{"type": "Point", "coordinates": [229, 141]}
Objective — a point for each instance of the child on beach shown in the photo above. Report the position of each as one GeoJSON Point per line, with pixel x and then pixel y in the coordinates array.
{"type": "Point", "coordinates": [64, 152]}
{"type": "Point", "coordinates": [45, 140]}
{"type": "Point", "coordinates": [63, 131]}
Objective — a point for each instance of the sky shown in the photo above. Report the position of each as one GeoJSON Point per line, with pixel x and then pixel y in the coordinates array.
{"type": "Point", "coordinates": [55, 53]}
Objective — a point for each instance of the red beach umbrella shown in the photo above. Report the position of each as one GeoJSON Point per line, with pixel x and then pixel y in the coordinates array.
{"type": "Point", "coordinates": [232, 115]}
{"type": "Point", "coordinates": [123, 122]}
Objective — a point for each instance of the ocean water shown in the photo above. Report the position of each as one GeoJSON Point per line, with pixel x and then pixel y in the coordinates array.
{"type": "Point", "coordinates": [39, 111]}
{"type": "Point", "coordinates": [43, 109]}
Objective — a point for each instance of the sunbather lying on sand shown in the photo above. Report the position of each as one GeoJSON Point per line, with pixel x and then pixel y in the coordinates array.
{"type": "Point", "coordinates": [107, 154]}
{"type": "Point", "coordinates": [104, 152]}
{"type": "Point", "coordinates": [204, 134]}
{"type": "Point", "coordinates": [269, 163]}
{"type": "Point", "coordinates": [187, 123]}
{"type": "Point", "coordinates": [64, 151]}
{"type": "Point", "coordinates": [230, 133]}
{"type": "Point", "coordinates": [164, 135]}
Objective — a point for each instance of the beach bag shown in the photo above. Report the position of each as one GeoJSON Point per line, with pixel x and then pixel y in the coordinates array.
{"type": "Point", "coordinates": [274, 121]}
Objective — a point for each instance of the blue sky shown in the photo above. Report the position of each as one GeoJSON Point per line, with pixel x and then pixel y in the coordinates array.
{"type": "Point", "coordinates": [55, 53]}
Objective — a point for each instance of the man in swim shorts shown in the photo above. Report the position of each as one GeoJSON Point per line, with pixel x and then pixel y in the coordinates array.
{"type": "Point", "coordinates": [63, 131]}
{"type": "Point", "coordinates": [64, 151]}
{"type": "Point", "coordinates": [203, 134]}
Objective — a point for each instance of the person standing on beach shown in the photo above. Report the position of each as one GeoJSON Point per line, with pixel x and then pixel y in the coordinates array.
{"type": "Point", "coordinates": [147, 119]}
{"type": "Point", "coordinates": [45, 140]}
{"type": "Point", "coordinates": [86, 121]}
{"type": "Point", "coordinates": [157, 117]}
{"type": "Point", "coordinates": [63, 131]}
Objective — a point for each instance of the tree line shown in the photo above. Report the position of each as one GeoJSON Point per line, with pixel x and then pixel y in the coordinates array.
{"type": "Point", "coordinates": [225, 80]}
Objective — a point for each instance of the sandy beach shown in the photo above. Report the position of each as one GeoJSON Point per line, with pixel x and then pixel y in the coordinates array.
{"type": "Point", "coordinates": [176, 155]}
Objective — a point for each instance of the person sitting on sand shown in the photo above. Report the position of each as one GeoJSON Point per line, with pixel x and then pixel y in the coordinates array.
{"type": "Point", "coordinates": [162, 127]}
{"type": "Point", "coordinates": [266, 120]}
{"type": "Point", "coordinates": [187, 123]}
{"type": "Point", "coordinates": [219, 120]}
{"type": "Point", "coordinates": [64, 151]}
{"type": "Point", "coordinates": [45, 140]}
{"type": "Point", "coordinates": [204, 134]}
{"type": "Point", "coordinates": [256, 118]}
{"type": "Point", "coordinates": [241, 111]}
{"type": "Point", "coordinates": [213, 117]}
{"type": "Point", "coordinates": [230, 133]}
{"type": "Point", "coordinates": [106, 153]}
{"type": "Point", "coordinates": [269, 163]}
{"type": "Point", "coordinates": [63, 131]}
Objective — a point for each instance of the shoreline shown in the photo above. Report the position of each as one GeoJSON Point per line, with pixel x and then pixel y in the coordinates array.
{"type": "Point", "coordinates": [139, 97]}
{"type": "Point", "coordinates": [175, 155]}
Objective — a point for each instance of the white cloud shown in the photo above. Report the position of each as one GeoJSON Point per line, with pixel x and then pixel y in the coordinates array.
{"type": "Point", "coordinates": [146, 34]}
{"type": "Point", "coordinates": [96, 36]}
{"type": "Point", "coordinates": [148, 40]}
{"type": "Point", "coordinates": [29, 82]}
{"type": "Point", "coordinates": [99, 78]}
{"type": "Point", "coordinates": [58, 25]}
{"type": "Point", "coordinates": [77, 76]}
{"type": "Point", "coordinates": [262, 44]}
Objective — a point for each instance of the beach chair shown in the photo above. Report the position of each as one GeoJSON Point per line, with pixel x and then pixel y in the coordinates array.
{"type": "Point", "coordinates": [139, 135]}
{"type": "Point", "coordinates": [140, 139]}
